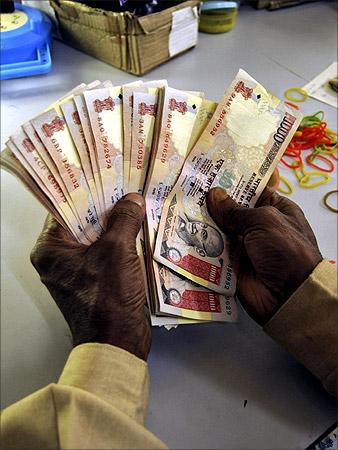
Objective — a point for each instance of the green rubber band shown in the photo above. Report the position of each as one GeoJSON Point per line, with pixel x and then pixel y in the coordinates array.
{"type": "Point", "coordinates": [325, 198]}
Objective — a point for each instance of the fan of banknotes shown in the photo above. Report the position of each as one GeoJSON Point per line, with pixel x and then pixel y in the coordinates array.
{"type": "Point", "coordinates": [100, 141]}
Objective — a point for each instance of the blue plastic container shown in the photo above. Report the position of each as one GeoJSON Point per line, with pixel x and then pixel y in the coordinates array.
{"type": "Point", "coordinates": [26, 42]}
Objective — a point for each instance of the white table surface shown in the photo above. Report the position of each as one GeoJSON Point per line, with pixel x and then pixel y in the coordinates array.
{"type": "Point", "coordinates": [201, 375]}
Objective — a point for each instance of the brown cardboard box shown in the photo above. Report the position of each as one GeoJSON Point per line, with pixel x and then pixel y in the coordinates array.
{"type": "Point", "coordinates": [134, 44]}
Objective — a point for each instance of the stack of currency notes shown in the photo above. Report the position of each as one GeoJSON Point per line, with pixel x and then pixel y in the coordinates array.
{"type": "Point", "coordinates": [100, 141]}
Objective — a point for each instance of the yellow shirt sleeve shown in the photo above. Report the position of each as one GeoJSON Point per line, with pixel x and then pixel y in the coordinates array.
{"type": "Point", "coordinates": [307, 325]}
{"type": "Point", "coordinates": [99, 402]}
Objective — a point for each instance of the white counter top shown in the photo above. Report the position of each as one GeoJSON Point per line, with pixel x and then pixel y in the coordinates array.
{"type": "Point", "coordinates": [201, 375]}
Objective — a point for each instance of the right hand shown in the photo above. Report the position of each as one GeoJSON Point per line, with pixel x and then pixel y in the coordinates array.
{"type": "Point", "coordinates": [99, 288]}
{"type": "Point", "coordinates": [279, 249]}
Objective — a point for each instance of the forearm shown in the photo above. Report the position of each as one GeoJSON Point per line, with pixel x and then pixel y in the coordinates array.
{"type": "Point", "coordinates": [307, 325]}
{"type": "Point", "coordinates": [100, 401]}
{"type": "Point", "coordinates": [112, 375]}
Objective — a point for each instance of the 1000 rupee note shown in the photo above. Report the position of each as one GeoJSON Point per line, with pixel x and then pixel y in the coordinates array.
{"type": "Point", "coordinates": [91, 188]}
{"type": "Point", "coordinates": [128, 91]}
{"type": "Point", "coordinates": [55, 135]}
{"type": "Point", "coordinates": [204, 114]}
{"type": "Point", "coordinates": [25, 166]}
{"type": "Point", "coordinates": [44, 155]}
{"type": "Point", "coordinates": [127, 111]}
{"type": "Point", "coordinates": [24, 150]}
{"type": "Point", "coordinates": [179, 296]}
{"type": "Point", "coordinates": [238, 151]}
{"type": "Point", "coordinates": [88, 135]}
{"type": "Point", "coordinates": [166, 321]}
{"type": "Point", "coordinates": [85, 131]}
{"type": "Point", "coordinates": [180, 116]}
{"type": "Point", "coordinates": [73, 122]}
{"type": "Point", "coordinates": [144, 115]}
{"type": "Point", "coordinates": [128, 118]}
{"type": "Point", "coordinates": [12, 165]}
{"type": "Point", "coordinates": [105, 114]}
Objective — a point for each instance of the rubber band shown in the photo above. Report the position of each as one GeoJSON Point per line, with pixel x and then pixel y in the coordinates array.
{"type": "Point", "coordinates": [325, 198]}
{"type": "Point", "coordinates": [287, 184]}
{"type": "Point", "coordinates": [310, 120]}
{"type": "Point", "coordinates": [327, 150]}
{"type": "Point", "coordinates": [294, 165]}
{"type": "Point", "coordinates": [292, 105]}
{"type": "Point", "coordinates": [312, 134]}
{"type": "Point", "coordinates": [309, 159]}
{"type": "Point", "coordinates": [319, 112]}
{"type": "Point", "coordinates": [293, 99]}
{"type": "Point", "coordinates": [292, 153]}
{"type": "Point", "coordinates": [322, 148]}
{"type": "Point", "coordinates": [329, 131]}
{"type": "Point", "coordinates": [332, 148]}
{"type": "Point", "coordinates": [304, 174]}
{"type": "Point", "coordinates": [307, 177]}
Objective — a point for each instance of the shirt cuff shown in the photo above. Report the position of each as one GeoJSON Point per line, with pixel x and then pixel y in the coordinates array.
{"type": "Point", "coordinates": [306, 325]}
{"type": "Point", "coordinates": [112, 374]}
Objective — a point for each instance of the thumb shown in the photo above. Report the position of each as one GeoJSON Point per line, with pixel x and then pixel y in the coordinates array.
{"type": "Point", "coordinates": [126, 219]}
{"type": "Point", "coordinates": [227, 214]}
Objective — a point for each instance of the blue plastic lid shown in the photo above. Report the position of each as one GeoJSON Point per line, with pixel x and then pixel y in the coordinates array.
{"type": "Point", "coordinates": [218, 5]}
{"type": "Point", "coordinates": [26, 38]}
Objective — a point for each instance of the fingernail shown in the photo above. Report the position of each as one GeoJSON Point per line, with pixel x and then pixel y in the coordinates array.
{"type": "Point", "coordinates": [136, 198]}
{"type": "Point", "coordinates": [218, 195]}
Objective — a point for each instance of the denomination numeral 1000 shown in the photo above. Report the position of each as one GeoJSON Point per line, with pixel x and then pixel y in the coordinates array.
{"type": "Point", "coordinates": [226, 180]}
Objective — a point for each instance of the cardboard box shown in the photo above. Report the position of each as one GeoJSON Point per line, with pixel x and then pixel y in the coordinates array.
{"type": "Point", "coordinates": [134, 44]}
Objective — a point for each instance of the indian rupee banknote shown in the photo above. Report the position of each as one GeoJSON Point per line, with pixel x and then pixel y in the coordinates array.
{"type": "Point", "coordinates": [129, 90]}
{"type": "Point", "coordinates": [12, 165]}
{"type": "Point", "coordinates": [179, 117]}
{"type": "Point", "coordinates": [53, 132]}
{"type": "Point", "coordinates": [238, 151]}
{"type": "Point", "coordinates": [144, 116]}
{"type": "Point", "coordinates": [75, 127]}
{"type": "Point", "coordinates": [24, 150]}
{"type": "Point", "coordinates": [127, 110]}
{"type": "Point", "coordinates": [104, 107]}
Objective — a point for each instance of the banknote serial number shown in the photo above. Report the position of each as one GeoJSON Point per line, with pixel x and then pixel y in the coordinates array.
{"type": "Point", "coordinates": [228, 276]}
{"type": "Point", "coordinates": [167, 139]}
{"type": "Point", "coordinates": [222, 114]}
{"type": "Point", "coordinates": [228, 309]}
{"type": "Point", "coordinates": [66, 165]}
{"type": "Point", "coordinates": [140, 145]}
{"type": "Point", "coordinates": [218, 122]}
{"type": "Point", "coordinates": [104, 142]}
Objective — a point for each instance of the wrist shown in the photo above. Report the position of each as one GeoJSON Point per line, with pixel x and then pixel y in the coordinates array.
{"type": "Point", "coordinates": [134, 341]}
{"type": "Point", "coordinates": [300, 274]}
{"type": "Point", "coordinates": [277, 301]}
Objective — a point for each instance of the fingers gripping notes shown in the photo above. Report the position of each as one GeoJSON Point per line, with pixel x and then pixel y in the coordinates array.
{"type": "Point", "coordinates": [238, 158]}
{"type": "Point", "coordinates": [76, 276]}
{"type": "Point", "coordinates": [84, 152]}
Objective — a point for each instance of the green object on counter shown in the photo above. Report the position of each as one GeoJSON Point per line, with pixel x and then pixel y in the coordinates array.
{"type": "Point", "coordinates": [218, 17]}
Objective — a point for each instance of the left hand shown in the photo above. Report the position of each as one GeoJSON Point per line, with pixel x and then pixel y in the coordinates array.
{"type": "Point", "coordinates": [99, 289]}
{"type": "Point", "coordinates": [279, 249]}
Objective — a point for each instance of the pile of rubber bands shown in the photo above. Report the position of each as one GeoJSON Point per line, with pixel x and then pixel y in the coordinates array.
{"type": "Point", "coordinates": [312, 134]}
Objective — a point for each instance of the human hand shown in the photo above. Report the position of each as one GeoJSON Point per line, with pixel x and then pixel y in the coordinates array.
{"type": "Point", "coordinates": [279, 249]}
{"type": "Point", "coordinates": [99, 288]}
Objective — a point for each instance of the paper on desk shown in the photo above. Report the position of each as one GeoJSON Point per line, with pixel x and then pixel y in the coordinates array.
{"type": "Point", "coordinates": [319, 87]}
{"type": "Point", "coordinates": [184, 30]}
